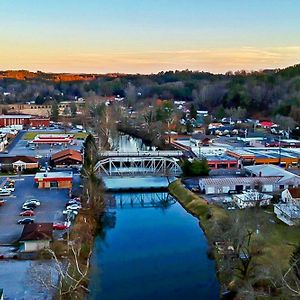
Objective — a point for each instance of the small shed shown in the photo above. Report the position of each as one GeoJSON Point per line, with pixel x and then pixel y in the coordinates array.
{"type": "Point", "coordinates": [36, 236]}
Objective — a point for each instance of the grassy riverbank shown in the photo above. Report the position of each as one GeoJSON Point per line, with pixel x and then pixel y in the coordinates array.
{"type": "Point", "coordinates": [271, 247]}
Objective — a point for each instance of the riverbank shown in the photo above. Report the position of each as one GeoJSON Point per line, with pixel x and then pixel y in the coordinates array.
{"type": "Point", "coordinates": [258, 271]}
{"type": "Point", "coordinates": [78, 251]}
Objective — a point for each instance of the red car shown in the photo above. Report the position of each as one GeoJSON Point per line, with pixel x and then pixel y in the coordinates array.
{"type": "Point", "coordinates": [59, 226]}
{"type": "Point", "coordinates": [27, 213]}
{"type": "Point", "coordinates": [2, 202]}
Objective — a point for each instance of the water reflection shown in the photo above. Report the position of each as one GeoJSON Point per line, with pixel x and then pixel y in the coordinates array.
{"type": "Point", "coordinates": [141, 200]}
{"type": "Point", "coordinates": [126, 143]}
{"type": "Point", "coordinates": [154, 253]}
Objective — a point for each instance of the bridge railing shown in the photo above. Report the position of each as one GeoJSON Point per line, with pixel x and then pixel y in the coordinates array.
{"type": "Point", "coordinates": [162, 153]}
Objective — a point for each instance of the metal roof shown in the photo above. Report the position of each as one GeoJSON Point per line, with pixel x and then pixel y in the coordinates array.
{"type": "Point", "coordinates": [229, 181]}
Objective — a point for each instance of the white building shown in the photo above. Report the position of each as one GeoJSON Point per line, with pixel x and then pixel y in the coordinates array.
{"type": "Point", "coordinates": [251, 198]}
{"type": "Point", "coordinates": [288, 180]}
{"type": "Point", "coordinates": [223, 185]}
{"type": "Point", "coordinates": [288, 211]}
{"type": "Point", "coordinates": [36, 236]}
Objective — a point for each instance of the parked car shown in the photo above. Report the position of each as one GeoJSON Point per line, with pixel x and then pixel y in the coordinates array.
{"type": "Point", "coordinates": [2, 202]}
{"type": "Point", "coordinates": [26, 221]}
{"type": "Point", "coordinates": [27, 213]}
{"type": "Point", "coordinates": [74, 206]}
{"type": "Point", "coordinates": [29, 206]}
{"type": "Point", "coordinates": [35, 201]}
{"type": "Point", "coordinates": [71, 202]}
{"type": "Point", "coordinates": [59, 226]}
{"type": "Point", "coordinates": [10, 187]}
{"type": "Point", "coordinates": [70, 211]}
{"type": "Point", "coordinates": [4, 192]}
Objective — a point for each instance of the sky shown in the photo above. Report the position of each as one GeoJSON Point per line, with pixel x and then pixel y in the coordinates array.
{"type": "Point", "coordinates": [148, 36]}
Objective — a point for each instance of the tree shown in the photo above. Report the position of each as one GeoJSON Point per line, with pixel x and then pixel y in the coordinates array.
{"type": "Point", "coordinates": [193, 112]}
{"type": "Point", "coordinates": [73, 108]}
{"type": "Point", "coordinates": [54, 111]}
{"type": "Point", "coordinates": [72, 275]}
{"type": "Point", "coordinates": [196, 167]}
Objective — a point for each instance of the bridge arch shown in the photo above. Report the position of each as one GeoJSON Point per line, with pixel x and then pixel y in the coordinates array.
{"type": "Point", "coordinates": [138, 166]}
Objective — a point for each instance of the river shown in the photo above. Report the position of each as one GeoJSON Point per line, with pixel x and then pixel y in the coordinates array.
{"type": "Point", "coordinates": [150, 248]}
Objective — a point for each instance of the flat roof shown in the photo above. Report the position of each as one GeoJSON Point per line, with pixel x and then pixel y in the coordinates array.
{"type": "Point", "coordinates": [50, 175]}
{"type": "Point", "coordinates": [15, 116]}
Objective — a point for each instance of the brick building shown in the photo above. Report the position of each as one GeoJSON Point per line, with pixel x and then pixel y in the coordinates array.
{"type": "Point", "coordinates": [61, 180]}
{"type": "Point", "coordinates": [25, 120]}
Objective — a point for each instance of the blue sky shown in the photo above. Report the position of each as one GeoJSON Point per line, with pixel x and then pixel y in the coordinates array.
{"type": "Point", "coordinates": [148, 35]}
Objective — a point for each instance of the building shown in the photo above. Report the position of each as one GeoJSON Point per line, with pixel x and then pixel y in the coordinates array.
{"type": "Point", "coordinates": [67, 157]}
{"type": "Point", "coordinates": [36, 236]}
{"type": "Point", "coordinates": [18, 163]}
{"type": "Point", "coordinates": [288, 210]}
{"type": "Point", "coordinates": [285, 157]}
{"type": "Point", "coordinates": [251, 198]}
{"type": "Point", "coordinates": [25, 120]}
{"type": "Point", "coordinates": [61, 180]}
{"type": "Point", "coordinates": [200, 139]}
{"type": "Point", "coordinates": [52, 139]}
{"type": "Point", "coordinates": [288, 179]}
{"type": "Point", "coordinates": [224, 185]}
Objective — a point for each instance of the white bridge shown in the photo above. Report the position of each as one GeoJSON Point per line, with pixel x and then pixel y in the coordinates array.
{"type": "Point", "coordinates": [138, 166]}
{"type": "Point", "coordinates": [157, 153]}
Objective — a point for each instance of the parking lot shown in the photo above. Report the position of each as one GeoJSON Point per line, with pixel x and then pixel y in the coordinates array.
{"type": "Point", "coordinates": [52, 204]}
{"type": "Point", "coordinates": [20, 146]}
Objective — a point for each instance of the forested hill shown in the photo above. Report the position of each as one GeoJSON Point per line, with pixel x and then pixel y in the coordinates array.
{"type": "Point", "coordinates": [269, 92]}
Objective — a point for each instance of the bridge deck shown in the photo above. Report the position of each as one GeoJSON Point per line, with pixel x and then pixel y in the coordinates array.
{"type": "Point", "coordinates": [163, 153]}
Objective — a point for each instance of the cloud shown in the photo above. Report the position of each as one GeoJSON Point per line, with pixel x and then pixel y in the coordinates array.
{"type": "Point", "coordinates": [147, 61]}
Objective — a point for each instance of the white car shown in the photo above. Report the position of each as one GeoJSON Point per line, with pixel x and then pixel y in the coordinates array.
{"type": "Point", "coordinates": [10, 188]}
{"type": "Point", "coordinates": [74, 206]}
{"type": "Point", "coordinates": [70, 211]}
{"type": "Point", "coordinates": [34, 201]}
{"type": "Point", "coordinates": [5, 192]}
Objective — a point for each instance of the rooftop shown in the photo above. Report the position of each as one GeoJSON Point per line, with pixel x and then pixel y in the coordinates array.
{"type": "Point", "coordinates": [270, 170]}
{"type": "Point", "coordinates": [41, 175]}
{"type": "Point", "coordinates": [222, 181]}
{"type": "Point", "coordinates": [37, 231]}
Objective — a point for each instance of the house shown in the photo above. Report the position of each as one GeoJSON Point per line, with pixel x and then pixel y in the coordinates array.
{"type": "Point", "coordinates": [288, 210]}
{"type": "Point", "coordinates": [200, 139]}
{"type": "Point", "coordinates": [18, 163]}
{"type": "Point", "coordinates": [223, 185]}
{"type": "Point", "coordinates": [36, 236]}
{"type": "Point", "coordinates": [251, 198]}
{"type": "Point", "coordinates": [67, 157]}
{"type": "Point", "coordinates": [61, 180]}
{"type": "Point", "coordinates": [288, 179]}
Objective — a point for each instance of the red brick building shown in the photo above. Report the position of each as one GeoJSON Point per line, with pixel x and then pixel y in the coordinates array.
{"type": "Point", "coordinates": [25, 120]}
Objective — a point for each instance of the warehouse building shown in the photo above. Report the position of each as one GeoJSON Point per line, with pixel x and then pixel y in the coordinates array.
{"type": "Point", "coordinates": [224, 185]}
{"type": "Point", "coordinates": [288, 180]}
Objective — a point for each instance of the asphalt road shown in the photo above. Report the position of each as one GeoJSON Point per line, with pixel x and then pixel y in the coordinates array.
{"type": "Point", "coordinates": [52, 204]}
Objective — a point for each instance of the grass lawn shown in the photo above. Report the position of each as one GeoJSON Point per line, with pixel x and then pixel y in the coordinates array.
{"type": "Point", "coordinates": [31, 135]}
